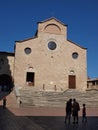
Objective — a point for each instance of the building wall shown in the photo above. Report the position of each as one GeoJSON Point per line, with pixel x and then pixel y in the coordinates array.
{"type": "Point", "coordinates": [92, 84]}
{"type": "Point", "coordinates": [6, 63]}
{"type": "Point", "coordinates": [51, 68]}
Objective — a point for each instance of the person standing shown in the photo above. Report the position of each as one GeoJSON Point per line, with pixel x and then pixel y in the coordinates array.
{"type": "Point", "coordinates": [84, 118]}
{"type": "Point", "coordinates": [68, 110]}
{"type": "Point", "coordinates": [76, 109]}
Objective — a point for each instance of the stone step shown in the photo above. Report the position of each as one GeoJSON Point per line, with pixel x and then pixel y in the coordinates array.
{"type": "Point", "coordinates": [30, 97]}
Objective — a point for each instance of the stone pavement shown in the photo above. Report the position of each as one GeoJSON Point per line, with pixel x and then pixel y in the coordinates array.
{"type": "Point", "coordinates": [35, 118]}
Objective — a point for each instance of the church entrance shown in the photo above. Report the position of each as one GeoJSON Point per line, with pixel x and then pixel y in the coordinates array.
{"type": "Point", "coordinates": [30, 78]}
{"type": "Point", "coordinates": [72, 81]}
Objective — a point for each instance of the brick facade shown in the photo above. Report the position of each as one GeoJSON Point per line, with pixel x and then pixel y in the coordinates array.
{"type": "Point", "coordinates": [49, 60]}
{"type": "Point", "coordinates": [52, 61]}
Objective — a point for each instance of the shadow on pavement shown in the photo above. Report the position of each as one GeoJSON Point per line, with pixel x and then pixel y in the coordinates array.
{"type": "Point", "coordinates": [9, 121]}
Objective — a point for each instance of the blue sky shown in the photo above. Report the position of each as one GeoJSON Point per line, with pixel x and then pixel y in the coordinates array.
{"type": "Point", "coordinates": [18, 21]}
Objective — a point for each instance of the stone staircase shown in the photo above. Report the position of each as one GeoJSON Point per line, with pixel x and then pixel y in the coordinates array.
{"type": "Point", "coordinates": [32, 97]}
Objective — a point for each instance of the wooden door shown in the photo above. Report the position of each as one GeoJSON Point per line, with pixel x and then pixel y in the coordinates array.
{"type": "Point", "coordinates": [72, 81]}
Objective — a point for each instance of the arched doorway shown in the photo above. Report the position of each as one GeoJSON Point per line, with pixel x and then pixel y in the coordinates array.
{"type": "Point", "coordinates": [6, 82]}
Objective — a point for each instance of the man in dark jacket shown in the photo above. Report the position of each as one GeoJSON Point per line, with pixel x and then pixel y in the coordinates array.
{"type": "Point", "coordinates": [68, 110]}
{"type": "Point", "coordinates": [76, 109]}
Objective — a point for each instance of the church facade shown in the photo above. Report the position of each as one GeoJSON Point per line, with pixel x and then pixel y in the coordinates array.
{"type": "Point", "coordinates": [47, 61]}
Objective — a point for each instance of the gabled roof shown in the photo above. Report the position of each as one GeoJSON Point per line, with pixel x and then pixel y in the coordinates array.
{"type": "Point", "coordinates": [77, 44]}
{"type": "Point", "coordinates": [8, 53]}
{"type": "Point", "coordinates": [26, 39]}
{"type": "Point", "coordinates": [54, 19]}
{"type": "Point", "coordinates": [20, 41]}
{"type": "Point", "coordinates": [92, 79]}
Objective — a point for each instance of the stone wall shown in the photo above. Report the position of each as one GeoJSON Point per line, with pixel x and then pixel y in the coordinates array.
{"type": "Point", "coordinates": [6, 63]}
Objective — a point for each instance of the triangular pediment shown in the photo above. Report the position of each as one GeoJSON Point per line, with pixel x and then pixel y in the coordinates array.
{"type": "Point", "coordinates": [52, 19]}
{"type": "Point", "coordinates": [52, 26]}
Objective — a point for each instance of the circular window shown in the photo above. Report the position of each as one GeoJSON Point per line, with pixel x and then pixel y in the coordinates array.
{"type": "Point", "coordinates": [52, 45]}
{"type": "Point", "coordinates": [27, 50]}
{"type": "Point", "coordinates": [75, 55]}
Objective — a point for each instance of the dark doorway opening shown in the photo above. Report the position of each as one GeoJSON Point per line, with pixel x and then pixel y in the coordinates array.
{"type": "Point", "coordinates": [30, 78]}
{"type": "Point", "coordinates": [72, 81]}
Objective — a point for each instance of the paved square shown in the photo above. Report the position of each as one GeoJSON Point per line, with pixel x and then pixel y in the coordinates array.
{"type": "Point", "coordinates": [18, 121]}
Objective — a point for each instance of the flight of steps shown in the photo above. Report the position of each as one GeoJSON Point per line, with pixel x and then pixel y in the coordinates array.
{"type": "Point", "coordinates": [33, 97]}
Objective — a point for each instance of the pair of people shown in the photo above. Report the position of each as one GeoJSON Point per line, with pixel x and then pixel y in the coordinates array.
{"type": "Point", "coordinates": [72, 107]}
